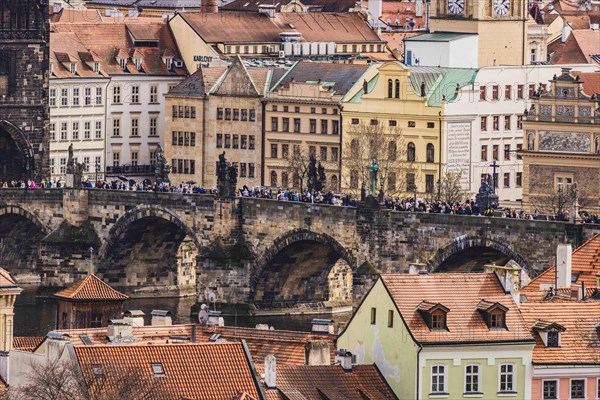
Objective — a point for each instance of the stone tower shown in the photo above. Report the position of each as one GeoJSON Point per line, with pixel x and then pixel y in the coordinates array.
{"type": "Point", "coordinates": [24, 64]}
{"type": "Point", "coordinates": [8, 294]}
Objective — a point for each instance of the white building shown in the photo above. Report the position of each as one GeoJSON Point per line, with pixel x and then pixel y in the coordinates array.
{"type": "Point", "coordinates": [442, 49]}
{"type": "Point", "coordinates": [107, 86]}
{"type": "Point", "coordinates": [484, 124]}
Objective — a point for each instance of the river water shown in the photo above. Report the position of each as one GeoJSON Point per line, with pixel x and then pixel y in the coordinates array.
{"type": "Point", "coordinates": [35, 313]}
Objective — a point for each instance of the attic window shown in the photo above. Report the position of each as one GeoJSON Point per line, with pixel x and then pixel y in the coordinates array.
{"type": "Point", "coordinates": [97, 370]}
{"type": "Point", "coordinates": [553, 339]}
{"type": "Point", "coordinates": [138, 63]}
{"type": "Point", "coordinates": [497, 319]}
{"type": "Point", "coordinates": [96, 67]}
{"type": "Point", "coordinates": [435, 315]}
{"type": "Point", "coordinates": [549, 332]}
{"type": "Point", "coordinates": [73, 68]}
{"type": "Point", "coordinates": [494, 314]}
{"type": "Point", "coordinates": [169, 62]}
{"type": "Point", "coordinates": [158, 370]}
{"type": "Point", "coordinates": [122, 62]}
{"type": "Point", "coordinates": [438, 320]}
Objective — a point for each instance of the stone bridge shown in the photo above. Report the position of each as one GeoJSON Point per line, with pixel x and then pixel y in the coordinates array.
{"type": "Point", "coordinates": [245, 249]}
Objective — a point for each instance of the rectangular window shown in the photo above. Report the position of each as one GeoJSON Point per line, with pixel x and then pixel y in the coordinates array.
{"type": "Point", "coordinates": [242, 170]}
{"type": "Point", "coordinates": [507, 378]}
{"type": "Point", "coordinates": [552, 339]}
{"type": "Point", "coordinates": [482, 93]}
{"type": "Point", "coordinates": [274, 151]}
{"type": "Point", "coordinates": [244, 142]}
{"type": "Point", "coordinates": [484, 153]}
{"type": "Point", "coordinates": [219, 140]}
{"type": "Point", "coordinates": [116, 94]}
{"type": "Point", "coordinates": [373, 315]}
{"type": "Point", "coordinates": [228, 114]}
{"type": "Point", "coordinates": [354, 121]}
{"type": "Point", "coordinates": [251, 142]}
{"type": "Point", "coordinates": [153, 126]}
{"type": "Point", "coordinates": [519, 148]}
{"type": "Point", "coordinates": [296, 125]}
{"type": "Point", "coordinates": [323, 111]}
{"type": "Point", "coordinates": [63, 165]}
{"type": "Point", "coordinates": [98, 134]}
{"type": "Point", "coordinates": [174, 138]}
{"type": "Point", "coordinates": [374, 122]}
{"type": "Point", "coordinates": [244, 115]}
{"type": "Point", "coordinates": [438, 379]}
{"type": "Point", "coordinates": [507, 179]}
{"type": "Point", "coordinates": [98, 96]}
{"type": "Point", "coordinates": [186, 112]}
{"type": "Point", "coordinates": [274, 107]}
{"type": "Point", "coordinates": [495, 92]}
{"type": "Point", "coordinates": [116, 127]}
{"type": "Point", "coordinates": [135, 94]}
{"type": "Point", "coordinates": [152, 157]}
{"type": "Point", "coordinates": [250, 170]}
{"type": "Point", "coordinates": [549, 390]}
{"type": "Point", "coordinates": [390, 318]}
{"type": "Point", "coordinates": [507, 92]}
{"type": "Point", "coordinates": [285, 124]}
{"type": "Point", "coordinates": [252, 115]}
{"type": "Point", "coordinates": [323, 153]}
{"type": "Point", "coordinates": [52, 100]}
{"type": "Point", "coordinates": [507, 122]}
{"type": "Point", "coordinates": [285, 150]}
{"type": "Point", "coordinates": [334, 154]}
{"type": "Point", "coordinates": [64, 97]}
{"type": "Point", "coordinates": [313, 126]}
{"type": "Point", "coordinates": [472, 379]}
{"type": "Point", "coordinates": [116, 159]}
{"type": "Point", "coordinates": [429, 183]}
{"type": "Point", "coordinates": [578, 388]}
{"type": "Point", "coordinates": [87, 96]}
{"type": "Point", "coordinates": [483, 124]}
{"type": "Point", "coordinates": [87, 130]}
{"type": "Point", "coordinates": [193, 139]}
{"type": "Point", "coordinates": [495, 150]}
{"type": "Point", "coordinates": [75, 96]}
{"type": "Point", "coordinates": [153, 94]}
{"type": "Point", "coordinates": [496, 123]}
{"type": "Point", "coordinates": [52, 131]}
{"type": "Point", "coordinates": [531, 90]}
{"type": "Point", "coordinates": [134, 158]}
{"type": "Point", "coordinates": [296, 109]}
{"type": "Point", "coordinates": [75, 131]}
{"type": "Point", "coordinates": [431, 125]}
{"type": "Point", "coordinates": [412, 124]}
{"type": "Point", "coordinates": [186, 138]}
{"type": "Point", "coordinates": [313, 110]}
{"type": "Point", "coordinates": [324, 124]}
{"type": "Point", "coordinates": [274, 124]}
{"type": "Point", "coordinates": [135, 127]}
{"type": "Point", "coordinates": [180, 138]}
{"type": "Point", "coordinates": [64, 128]}
{"type": "Point", "coordinates": [227, 141]}
{"type": "Point", "coordinates": [519, 179]}
{"type": "Point", "coordinates": [519, 122]}
{"type": "Point", "coordinates": [236, 142]}
{"type": "Point", "coordinates": [438, 321]}
{"type": "Point", "coordinates": [335, 127]}
{"type": "Point", "coordinates": [236, 114]}
{"type": "Point", "coordinates": [519, 92]}
{"type": "Point", "coordinates": [507, 152]}
{"type": "Point", "coordinates": [219, 113]}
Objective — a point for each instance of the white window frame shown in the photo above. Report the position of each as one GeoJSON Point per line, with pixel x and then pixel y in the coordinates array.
{"type": "Point", "coordinates": [557, 387]}
{"type": "Point", "coordinates": [135, 94]}
{"type": "Point", "coordinates": [75, 130]}
{"type": "Point", "coordinates": [64, 97]}
{"type": "Point", "coordinates": [153, 94]}
{"type": "Point", "coordinates": [76, 96]}
{"type": "Point", "coordinates": [87, 130]}
{"type": "Point", "coordinates": [116, 94]}
{"type": "Point", "coordinates": [52, 97]}
{"type": "Point", "coordinates": [473, 375]}
{"type": "Point", "coordinates": [87, 96]}
{"type": "Point", "coordinates": [444, 375]}
{"type": "Point", "coordinates": [99, 95]}
{"type": "Point", "coordinates": [98, 130]}
{"type": "Point", "coordinates": [514, 378]}
{"type": "Point", "coordinates": [584, 388]}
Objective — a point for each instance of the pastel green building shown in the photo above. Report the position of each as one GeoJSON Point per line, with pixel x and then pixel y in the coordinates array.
{"type": "Point", "coordinates": [442, 336]}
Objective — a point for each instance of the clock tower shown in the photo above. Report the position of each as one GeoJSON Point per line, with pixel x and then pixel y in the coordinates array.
{"type": "Point", "coordinates": [500, 26]}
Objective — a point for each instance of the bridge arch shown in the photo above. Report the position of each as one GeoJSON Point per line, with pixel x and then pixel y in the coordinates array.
{"type": "Point", "coordinates": [303, 266]}
{"type": "Point", "coordinates": [150, 251]}
{"type": "Point", "coordinates": [465, 243]}
{"type": "Point", "coordinates": [16, 153]}
{"type": "Point", "coordinates": [21, 235]}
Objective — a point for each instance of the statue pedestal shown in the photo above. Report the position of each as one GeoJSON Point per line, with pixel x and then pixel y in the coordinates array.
{"type": "Point", "coordinates": [70, 181]}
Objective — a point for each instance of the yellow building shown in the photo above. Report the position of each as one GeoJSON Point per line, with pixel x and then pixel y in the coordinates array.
{"type": "Point", "coordinates": [388, 119]}
{"type": "Point", "coordinates": [302, 117]}
{"type": "Point", "coordinates": [562, 140]}
{"type": "Point", "coordinates": [499, 24]}
{"type": "Point", "coordinates": [216, 110]}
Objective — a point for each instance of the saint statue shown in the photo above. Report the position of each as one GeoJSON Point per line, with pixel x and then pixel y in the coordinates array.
{"type": "Point", "coordinates": [373, 168]}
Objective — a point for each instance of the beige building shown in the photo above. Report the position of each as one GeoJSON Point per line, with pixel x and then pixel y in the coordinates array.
{"type": "Point", "coordinates": [216, 110]}
{"type": "Point", "coordinates": [303, 117]}
{"type": "Point", "coordinates": [561, 163]}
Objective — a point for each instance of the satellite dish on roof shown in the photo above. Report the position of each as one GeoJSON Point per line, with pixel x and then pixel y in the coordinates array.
{"type": "Point", "coordinates": [210, 296]}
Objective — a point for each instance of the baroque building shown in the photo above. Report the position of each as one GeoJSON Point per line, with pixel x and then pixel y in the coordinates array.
{"type": "Point", "coordinates": [23, 89]}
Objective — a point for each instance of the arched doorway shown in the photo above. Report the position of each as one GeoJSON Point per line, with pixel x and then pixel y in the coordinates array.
{"type": "Point", "coordinates": [16, 161]}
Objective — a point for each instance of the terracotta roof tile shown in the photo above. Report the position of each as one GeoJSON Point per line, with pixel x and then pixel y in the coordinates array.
{"type": "Point", "coordinates": [578, 49]}
{"type": "Point", "coordinates": [27, 343]}
{"type": "Point", "coordinates": [585, 263]}
{"type": "Point", "coordinates": [591, 82]}
{"type": "Point", "coordinates": [397, 12]}
{"type": "Point", "coordinates": [579, 343]}
{"type": "Point", "coordinates": [90, 288]}
{"type": "Point", "coordinates": [310, 382]}
{"type": "Point", "coordinates": [70, 16]}
{"type": "Point", "coordinates": [461, 293]}
{"type": "Point", "coordinates": [207, 371]}
{"type": "Point", "coordinates": [327, 5]}
{"type": "Point", "coordinates": [6, 279]}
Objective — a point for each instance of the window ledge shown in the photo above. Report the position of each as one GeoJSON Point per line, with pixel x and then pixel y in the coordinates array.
{"type": "Point", "coordinates": [438, 395]}
{"type": "Point", "coordinates": [507, 394]}
{"type": "Point", "coordinates": [473, 394]}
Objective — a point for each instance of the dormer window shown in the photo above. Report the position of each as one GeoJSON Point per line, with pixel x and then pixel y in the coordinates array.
{"type": "Point", "coordinates": [494, 314]}
{"type": "Point", "coordinates": [122, 63]}
{"type": "Point", "coordinates": [158, 370]}
{"type": "Point", "coordinates": [96, 67]}
{"type": "Point", "coordinates": [169, 62]}
{"type": "Point", "coordinates": [73, 68]}
{"type": "Point", "coordinates": [434, 314]}
{"type": "Point", "coordinates": [549, 332]}
{"type": "Point", "coordinates": [138, 63]}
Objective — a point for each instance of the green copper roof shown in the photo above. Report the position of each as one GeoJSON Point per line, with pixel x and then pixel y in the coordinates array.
{"type": "Point", "coordinates": [440, 83]}
{"type": "Point", "coordinates": [358, 96]}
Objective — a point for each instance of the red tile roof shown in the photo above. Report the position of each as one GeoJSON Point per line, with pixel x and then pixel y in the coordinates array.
{"type": "Point", "coordinates": [6, 279]}
{"type": "Point", "coordinates": [461, 293]}
{"type": "Point", "coordinates": [585, 263]}
{"type": "Point", "coordinates": [578, 49]}
{"type": "Point", "coordinates": [27, 343]}
{"type": "Point", "coordinates": [329, 382]}
{"type": "Point", "coordinates": [397, 12]}
{"type": "Point", "coordinates": [207, 371]}
{"type": "Point", "coordinates": [579, 343]}
{"type": "Point", "coordinates": [90, 288]}
{"type": "Point", "coordinates": [591, 81]}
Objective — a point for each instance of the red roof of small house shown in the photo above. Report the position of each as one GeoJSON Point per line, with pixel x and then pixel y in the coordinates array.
{"type": "Point", "coordinates": [91, 288]}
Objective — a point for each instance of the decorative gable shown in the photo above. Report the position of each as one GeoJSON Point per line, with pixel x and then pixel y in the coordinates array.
{"type": "Point", "coordinates": [434, 314]}
{"type": "Point", "coordinates": [494, 314]}
{"type": "Point", "coordinates": [237, 81]}
{"type": "Point", "coordinates": [549, 332]}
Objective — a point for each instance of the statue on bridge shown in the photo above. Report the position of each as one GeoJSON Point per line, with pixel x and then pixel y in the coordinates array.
{"type": "Point", "coordinates": [226, 177]}
{"type": "Point", "coordinates": [486, 199]}
{"type": "Point", "coordinates": [161, 168]}
{"type": "Point", "coordinates": [373, 168]}
{"type": "Point", "coordinates": [74, 171]}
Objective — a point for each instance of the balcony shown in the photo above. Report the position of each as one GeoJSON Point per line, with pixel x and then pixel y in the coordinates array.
{"type": "Point", "coordinates": [137, 170]}
{"type": "Point", "coordinates": [562, 120]}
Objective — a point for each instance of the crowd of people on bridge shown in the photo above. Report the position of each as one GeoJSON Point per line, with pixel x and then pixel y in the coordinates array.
{"type": "Point", "coordinates": [411, 204]}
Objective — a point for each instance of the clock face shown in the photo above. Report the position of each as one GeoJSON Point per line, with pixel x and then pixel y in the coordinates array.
{"type": "Point", "coordinates": [501, 6]}
{"type": "Point", "coordinates": [456, 6]}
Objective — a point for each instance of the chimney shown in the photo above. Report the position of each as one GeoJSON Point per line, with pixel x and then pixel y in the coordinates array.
{"type": "Point", "coordinates": [375, 9]}
{"type": "Point", "coordinates": [577, 292]}
{"type": "Point", "coordinates": [270, 371]}
{"type": "Point", "coordinates": [267, 9]}
{"type": "Point", "coordinates": [215, 319]}
{"type": "Point", "coordinates": [134, 317]}
{"type": "Point", "coordinates": [56, 8]}
{"type": "Point", "coordinates": [598, 280]}
{"type": "Point", "coordinates": [417, 268]}
{"type": "Point", "coordinates": [322, 326]}
{"type": "Point", "coordinates": [316, 352]}
{"type": "Point", "coordinates": [565, 32]}
{"type": "Point", "coordinates": [209, 6]}
{"type": "Point", "coordinates": [161, 318]}
{"type": "Point", "coordinates": [119, 329]}
{"type": "Point", "coordinates": [344, 359]}
{"type": "Point", "coordinates": [563, 266]}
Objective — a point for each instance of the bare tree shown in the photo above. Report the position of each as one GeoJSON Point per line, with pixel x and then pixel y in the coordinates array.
{"type": "Point", "coordinates": [546, 199]}
{"type": "Point", "coordinates": [366, 142]}
{"type": "Point", "coordinates": [65, 380]}
{"type": "Point", "coordinates": [451, 190]}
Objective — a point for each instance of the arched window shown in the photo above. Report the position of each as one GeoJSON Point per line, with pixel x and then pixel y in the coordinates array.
{"type": "Point", "coordinates": [334, 183]}
{"type": "Point", "coordinates": [430, 153]}
{"type": "Point", "coordinates": [354, 148]}
{"type": "Point", "coordinates": [390, 88]}
{"type": "Point", "coordinates": [397, 94]}
{"type": "Point", "coordinates": [410, 152]}
{"type": "Point", "coordinates": [273, 179]}
{"type": "Point", "coordinates": [392, 151]}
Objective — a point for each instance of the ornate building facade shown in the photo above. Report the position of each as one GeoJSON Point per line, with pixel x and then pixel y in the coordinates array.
{"type": "Point", "coordinates": [24, 42]}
